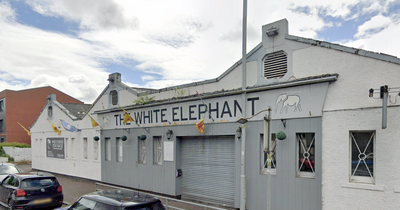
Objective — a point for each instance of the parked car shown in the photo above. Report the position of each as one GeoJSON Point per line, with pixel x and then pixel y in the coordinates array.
{"type": "Point", "coordinates": [7, 168]}
{"type": "Point", "coordinates": [116, 200]}
{"type": "Point", "coordinates": [31, 190]}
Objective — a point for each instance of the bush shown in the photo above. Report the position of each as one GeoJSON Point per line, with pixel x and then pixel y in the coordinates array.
{"type": "Point", "coordinates": [14, 144]}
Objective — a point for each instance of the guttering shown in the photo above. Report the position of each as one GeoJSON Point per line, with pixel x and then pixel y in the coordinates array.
{"type": "Point", "coordinates": [329, 78]}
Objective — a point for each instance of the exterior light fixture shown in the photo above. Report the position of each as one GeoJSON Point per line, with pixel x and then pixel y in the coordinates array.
{"type": "Point", "coordinates": [239, 132]}
{"type": "Point", "coordinates": [371, 93]}
{"type": "Point", "coordinates": [96, 138]}
{"type": "Point", "coordinates": [124, 138]}
{"type": "Point", "coordinates": [142, 137]}
{"type": "Point", "coordinates": [169, 134]}
{"type": "Point", "coordinates": [272, 32]}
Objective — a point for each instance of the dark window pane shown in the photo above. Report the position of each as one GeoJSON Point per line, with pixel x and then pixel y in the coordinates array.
{"type": "Point", "coordinates": [114, 97]}
{"type": "Point", "coordinates": [362, 156]}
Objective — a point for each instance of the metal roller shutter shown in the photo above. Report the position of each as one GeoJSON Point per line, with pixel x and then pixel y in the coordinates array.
{"type": "Point", "coordinates": [208, 169]}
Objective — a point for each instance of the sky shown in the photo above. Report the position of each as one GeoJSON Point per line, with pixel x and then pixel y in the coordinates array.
{"type": "Point", "coordinates": [73, 45]}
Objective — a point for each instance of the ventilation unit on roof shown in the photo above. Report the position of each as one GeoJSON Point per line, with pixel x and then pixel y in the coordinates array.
{"type": "Point", "coordinates": [275, 65]}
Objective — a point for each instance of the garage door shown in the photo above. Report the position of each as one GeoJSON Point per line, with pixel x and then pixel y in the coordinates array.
{"type": "Point", "coordinates": [208, 169]}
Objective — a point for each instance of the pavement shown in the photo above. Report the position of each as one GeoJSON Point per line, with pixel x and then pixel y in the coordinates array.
{"type": "Point", "coordinates": [74, 188]}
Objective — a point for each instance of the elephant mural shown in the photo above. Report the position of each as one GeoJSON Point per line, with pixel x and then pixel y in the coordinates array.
{"type": "Point", "coordinates": [291, 100]}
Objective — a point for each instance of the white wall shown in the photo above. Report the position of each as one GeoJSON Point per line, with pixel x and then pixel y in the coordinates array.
{"type": "Point", "coordinates": [75, 165]}
{"type": "Point", "coordinates": [348, 108]}
{"type": "Point", "coordinates": [19, 154]}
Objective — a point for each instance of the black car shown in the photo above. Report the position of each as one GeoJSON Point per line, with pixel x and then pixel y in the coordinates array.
{"type": "Point", "coordinates": [30, 191]}
{"type": "Point", "coordinates": [116, 200]}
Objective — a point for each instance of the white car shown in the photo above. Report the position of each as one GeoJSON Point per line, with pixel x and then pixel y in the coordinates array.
{"type": "Point", "coordinates": [7, 168]}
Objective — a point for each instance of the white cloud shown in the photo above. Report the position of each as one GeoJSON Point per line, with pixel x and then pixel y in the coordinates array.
{"type": "Point", "coordinates": [181, 41]}
{"type": "Point", "coordinates": [373, 26]}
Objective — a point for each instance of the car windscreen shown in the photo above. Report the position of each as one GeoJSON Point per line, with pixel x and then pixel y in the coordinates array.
{"type": "Point", "coordinates": [4, 170]}
{"type": "Point", "coordinates": [151, 206]}
{"type": "Point", "coordinates": [38, 182]}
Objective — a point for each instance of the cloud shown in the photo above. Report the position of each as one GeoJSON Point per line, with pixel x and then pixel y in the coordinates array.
{"type": "Point", "coordinates": [90, 14]}
{"type": "Point", "coordinates": [373, 26]}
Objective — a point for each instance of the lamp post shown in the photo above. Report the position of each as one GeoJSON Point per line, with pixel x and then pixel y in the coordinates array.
{"type": "Point", "coordinates": [243, 122]}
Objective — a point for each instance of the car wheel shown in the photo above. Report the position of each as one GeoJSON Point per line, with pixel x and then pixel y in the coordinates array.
{"type": "Point", "coordinates": [11, 204]}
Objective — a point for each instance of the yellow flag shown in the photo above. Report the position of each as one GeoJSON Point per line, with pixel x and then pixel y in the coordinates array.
{"type": "Point", "coordinates": [127, 117]}
{"type": "Point", "coordinates": [55, 129]}
{"type": "Point", "coordinates": [200, 126]}
{"type": "Point", "coordinates": [94, 123]}
{"type": "Point", "coordinates": [29, 133]}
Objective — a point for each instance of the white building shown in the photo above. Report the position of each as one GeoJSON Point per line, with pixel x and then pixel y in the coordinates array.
{"type": "Point", "coordinates": [336, 155]}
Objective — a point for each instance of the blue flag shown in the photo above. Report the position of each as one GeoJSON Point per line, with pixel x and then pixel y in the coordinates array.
{"type": "Point", "coordinates": [69, 127]}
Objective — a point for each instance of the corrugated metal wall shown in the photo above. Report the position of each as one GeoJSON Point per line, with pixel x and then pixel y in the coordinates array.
{"type": "Point", "coordinates": [156, 178]}
{"type": "Point", "coordinates": [288, 191]}
{"type": "Point", "coordinates": [208, 169]}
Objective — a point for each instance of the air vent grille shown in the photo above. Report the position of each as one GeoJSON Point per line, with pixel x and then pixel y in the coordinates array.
{"type": "Point", "coordinates": [275, 65]}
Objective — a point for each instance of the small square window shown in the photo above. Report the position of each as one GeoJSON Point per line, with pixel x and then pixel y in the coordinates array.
{"type": "Point", "coordinates": [362, 156]}
{"type": "Point", "coordinates": [305, 155]}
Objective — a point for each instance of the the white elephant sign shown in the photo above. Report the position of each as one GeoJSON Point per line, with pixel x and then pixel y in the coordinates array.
{"type": "Point", "coordinates": [287, 100]}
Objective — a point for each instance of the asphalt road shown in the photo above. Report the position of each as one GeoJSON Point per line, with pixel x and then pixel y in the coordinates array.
{"type": "Point", "coordinates": [74, 188]}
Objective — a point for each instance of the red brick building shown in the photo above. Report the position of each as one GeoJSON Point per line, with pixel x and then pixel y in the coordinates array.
{"type": "Point", "coordinates": [24, 106]}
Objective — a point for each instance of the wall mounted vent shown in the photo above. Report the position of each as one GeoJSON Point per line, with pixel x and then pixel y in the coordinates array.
{"type": "Point", "coordinates": [275, 65]}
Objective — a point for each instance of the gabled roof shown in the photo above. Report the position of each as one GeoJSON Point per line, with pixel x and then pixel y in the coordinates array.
{"type": "Point", "coordinates": [77, 110]}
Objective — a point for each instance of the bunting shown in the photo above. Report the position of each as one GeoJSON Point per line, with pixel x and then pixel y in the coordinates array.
{"type": "Point", "coordinates": [94, 123]}
{"type": "Point", "coordinates": [127, 117]}
{"type": "Point", "coordinates": [69, 127]}
{"type": "Point", "coordinates": [29, 133]}
{"type": "Point", "coordinates": [200, 126]}
{"type": "Point", "coordinates": [55, 129]}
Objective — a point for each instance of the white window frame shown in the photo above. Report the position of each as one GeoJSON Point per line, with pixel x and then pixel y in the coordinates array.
{"type": "Point", "coordinates": [157, 150]}
{"type": "Point", "coordinates": [85, 148]}
{"type": "Point", "coordinates": [120, 148]}
{"type": "Point", "coordinates": [142, 151]}
{"type": "Point", "coordinates": [363, 179]}
{"type": "Point", "coordinates": [67, 145]}
{"type": "Point", "coordinates": [307, 149]}
{"type": "Point", "coordinates": [107, 149]}
{"type": "Point", "coordinates": [263, 155]}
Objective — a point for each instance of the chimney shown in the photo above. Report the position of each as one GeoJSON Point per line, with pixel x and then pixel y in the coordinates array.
{"type": "Point", "coordinates": [114, 78]}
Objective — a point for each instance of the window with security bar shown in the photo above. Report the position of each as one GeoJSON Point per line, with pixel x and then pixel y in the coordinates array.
{"type": "Point", "coordinates": [362, 156]}
{"type": "Point", "coordinates": [264, 155]}
{"type": "Point", "coordinates": [157, 150]}
{"type": "Point", "coordinates": [120, 149]}
{"type": "Point", "coordinates": [142, 151]}
{"type": "Point", "coordinates": [305, 155]}
{"type": "Point", "coordinates": [107, 149]}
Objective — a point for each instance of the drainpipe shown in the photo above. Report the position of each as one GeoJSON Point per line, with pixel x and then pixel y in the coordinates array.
{"type": "Point", "coordinates": [243, 159]}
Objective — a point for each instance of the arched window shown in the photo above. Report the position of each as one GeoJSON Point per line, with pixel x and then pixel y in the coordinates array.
{"type": "Point", "coordinates": [114, 97]}
{"type": "Point", "coordinates": [50, 111]}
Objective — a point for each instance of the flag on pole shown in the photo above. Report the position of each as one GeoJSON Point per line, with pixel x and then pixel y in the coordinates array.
{"type": "Point", "coordinates": [69, 127]}
{"type": "Point", "coordinates": [29, 133]}
{"type": "Point", "coordinates": [127, 117]}
{"type": "Point", "coordinates": [94, 123]}
{"type": "Point", "coordinates": [55, 129]}
{"type": "Point", "coordinates": [200, 126]}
